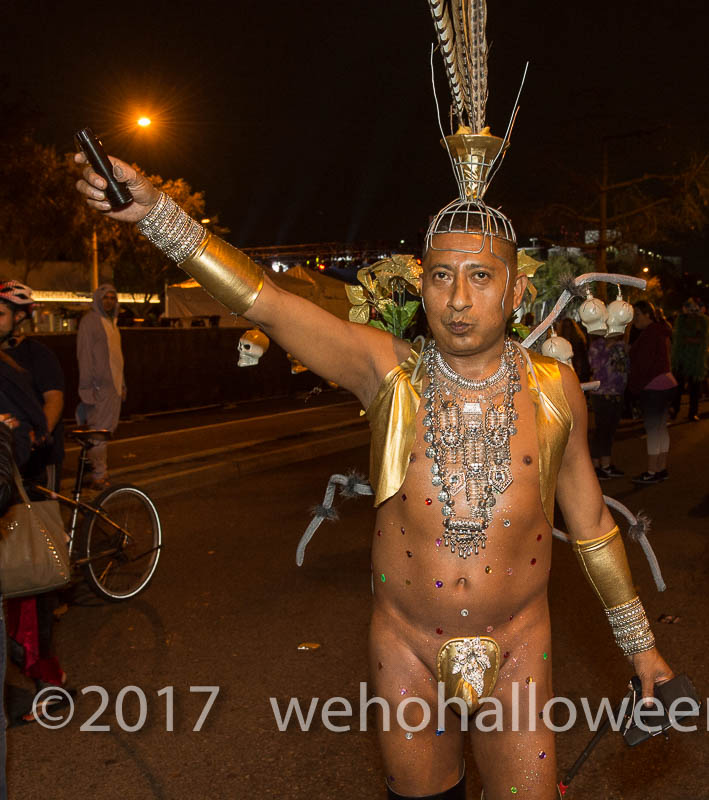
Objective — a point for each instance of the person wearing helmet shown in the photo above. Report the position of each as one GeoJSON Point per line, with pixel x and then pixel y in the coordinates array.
{"type": "Point", "coordinates": [43, 370]}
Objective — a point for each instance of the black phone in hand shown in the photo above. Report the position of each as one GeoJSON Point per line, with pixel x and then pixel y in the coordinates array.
{"type": "Point", "coordinates": [117, 193]}
{"type": "Point", "coordinates": [677, 695]}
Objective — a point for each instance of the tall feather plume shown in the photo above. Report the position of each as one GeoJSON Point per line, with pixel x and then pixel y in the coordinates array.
{"type": "Point", "coordinates": [447, 41]}
{"type": "Point", "coordinates": [464, 48]}
{"type": "Point", "coordinates": [476, 50]}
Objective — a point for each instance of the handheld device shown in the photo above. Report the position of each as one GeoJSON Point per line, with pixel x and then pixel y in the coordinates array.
{"type": "Point", "coordinates": [677, 695]}
{"type": "Point", "coordinates": [117, 193]}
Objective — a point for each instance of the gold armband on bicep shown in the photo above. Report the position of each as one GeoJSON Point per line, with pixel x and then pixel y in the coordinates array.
{"type": "Point", "coordinates": [605, 564]}
{"type": "Point", "coordinates": [226, 273]}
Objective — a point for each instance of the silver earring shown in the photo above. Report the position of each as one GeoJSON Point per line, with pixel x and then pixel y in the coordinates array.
{"type": "Point", "coordinates": [423, 303]}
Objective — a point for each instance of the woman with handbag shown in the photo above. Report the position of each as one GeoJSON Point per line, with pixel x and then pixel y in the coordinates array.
{"type": "Point", "coordinates": [7, 482]}
{"type": "Point", "coordinates": [29, 619]}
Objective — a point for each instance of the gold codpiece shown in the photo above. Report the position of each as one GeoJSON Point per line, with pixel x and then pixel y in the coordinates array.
{"type": "Point", "coordinates": [226, 273]}
{"type": "Point", "coordinates": [605, 565]}
{"type": "Point", "coordinates": [468, 666]}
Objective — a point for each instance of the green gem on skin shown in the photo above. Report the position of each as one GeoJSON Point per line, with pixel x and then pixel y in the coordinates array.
{"type": "Point", "coordinates": [383, 577]}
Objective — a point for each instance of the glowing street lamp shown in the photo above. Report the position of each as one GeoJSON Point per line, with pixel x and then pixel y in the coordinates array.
{"type": "Point", "coordinates": [646, 269]}
{"type": "Point", "coordinates": [144, 122]}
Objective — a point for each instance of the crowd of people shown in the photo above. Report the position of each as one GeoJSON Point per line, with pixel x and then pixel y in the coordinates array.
{"type": "Point", "coordinates": [641, 373]}
{"type": "Point", "coordinates": [32, 410]}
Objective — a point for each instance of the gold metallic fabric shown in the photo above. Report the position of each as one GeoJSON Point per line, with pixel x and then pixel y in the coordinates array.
{"type": "Point", "coordinates": [392, 418]}
{"type": "Point", "coordinates": [554, 423]}
{"type": "Point", "coordinates": [605, 564]}
{"type": "Point", "coordinates": [226, 273]}
{"type": "Point", "coordinates": [456, 656]}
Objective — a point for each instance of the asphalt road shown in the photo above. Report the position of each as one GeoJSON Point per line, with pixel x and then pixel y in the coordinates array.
{"type": "Point", "coordinates": [228, 608]}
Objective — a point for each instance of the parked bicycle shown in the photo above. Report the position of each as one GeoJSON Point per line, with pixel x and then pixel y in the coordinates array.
{"type": "Point", "coordinates": [117, 545]}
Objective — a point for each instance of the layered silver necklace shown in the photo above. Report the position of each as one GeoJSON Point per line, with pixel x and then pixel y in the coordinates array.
{"type": "Point", "coordinates": [468, 438]}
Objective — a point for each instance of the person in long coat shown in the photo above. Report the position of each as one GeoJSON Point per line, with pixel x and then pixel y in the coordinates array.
{"type": "Point", "coordinates": [101, 383]}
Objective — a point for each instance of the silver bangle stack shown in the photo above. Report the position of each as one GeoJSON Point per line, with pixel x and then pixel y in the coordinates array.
{"type": "Point", "coordinates": [631, 628]}
{"type": "Point", "coordinates": [172, 230]}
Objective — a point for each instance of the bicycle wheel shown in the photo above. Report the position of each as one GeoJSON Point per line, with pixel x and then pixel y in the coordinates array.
{"type": "Point", "coordinates": [121, 558]}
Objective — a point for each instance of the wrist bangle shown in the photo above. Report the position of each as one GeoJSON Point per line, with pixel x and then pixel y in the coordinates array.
{"type": "Point", "coordinates": [171, 229]}
{"type": "Point", "coordinates": [630, 627]}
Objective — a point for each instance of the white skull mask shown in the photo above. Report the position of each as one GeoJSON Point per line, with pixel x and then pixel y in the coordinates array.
{"type": "Point", "coordinates": [559, 348]}
{"type": "Point", "coordinates": [252, 345]}
{"type": "Point", "coordinates": [593, 313]}
{"type": "Point", "coordinates": [620, 314]}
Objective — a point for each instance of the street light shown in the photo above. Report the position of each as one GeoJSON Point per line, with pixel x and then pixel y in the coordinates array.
{"type": "Point", "coordinates": [646, 269]}
{"type": "Point", "coordinates": [144, 122]}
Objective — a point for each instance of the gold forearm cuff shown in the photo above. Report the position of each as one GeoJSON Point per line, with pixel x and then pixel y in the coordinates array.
{"type": "Point", "coordinates": [226, 273]}
{"type": "Point", "coordinates": [605, 565]}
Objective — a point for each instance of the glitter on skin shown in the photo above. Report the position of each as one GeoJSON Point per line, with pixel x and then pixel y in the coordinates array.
{"type": "Point", "coordinates": [439, 631]}
{"type": "Point", "coordinates": [488, 569]}
{"type": "Point", "coordinates": [533, 561]}
{"type": "Point", "coordinates": [506, 654]}
{"type": "Point", "coordinates": [438, 542]}
{"type": "Point", "coordinates": [506, 523]}
{"type": "Point", "coordinates": [383, 577]}
{"type": "Point", "coordinates": [539, 538]}
{"type": "Point", "coordinates": [439, 584]}
{"type": "Point", "coordinates": [409, 735]}
{"type": "Point", "coordinates": [529, 679]}
{"type": "Point", "coordinates": [542, 754]}
{"type": "Point", "coordinates": [513, 789]}
{"type": "Point", "coordinates": [428, 501]}
{"type": "Point", "coordinates": [545, 656]}
{"type": "Point", "coordinates": [509, 570]}
{"type": "Point", "coordinates": [489, 629]}
{"type": "Point", "coordinates": [464, 612]}
{"type": "Point", "coordinates": [403, 691]}
{"type": "Point", "coordinates": [403, 531]}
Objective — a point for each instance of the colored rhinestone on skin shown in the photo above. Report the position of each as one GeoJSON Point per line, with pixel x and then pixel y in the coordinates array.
{"type": "Point", "coordinates": [403, 691]}
{"type": "Point", "coordinates": [506, 654]}
{"type": "Point", "coordinates": [439, 631]}
{"type": "Point", "coordinates": [439, 584]}
{"type": "Point", "coordinates": [533, 561]}
{"type": "Point", "coordinates": [439, 733]}
{"type": "Point", "coordinates": [542, 754]}
{"type": "Point", "coordinates": [513, 789]}
{"type": "Point", "coordinates": [428, 501]}
{"type": "Point", "coordinates": [409, 735]}
{"type": "Point", "coordinates": [383, 577]}
{"type": "Point", "coordinates": [408, 582]}
{"type": "Point", "coordinates": [529, 679]}
{"type": "Point", "coordinates": [464, 612]}
{"type": "Point", "coordinates": [506, 523]}
{"type": "Point", "coordinates": [409, 553]}
{"type": "Point", "coordinates": [509, 570]}
{"type": "Point", "coordinates": [489, 629]}
{"type": "Point", "coordinates": [488, 569]}
{"type": "Point", "coordinates": [379, 533]}
{"type": "Point", "coordinates": [403, 497]}
{"type": "Point", "coordinates": [403, 530]}
{"type": "Point", "coordinates": [545, 656]}
{"type": "Point", "coordinates": [438, 542]}
{"type": "Point", "coordinates": [539, 538]}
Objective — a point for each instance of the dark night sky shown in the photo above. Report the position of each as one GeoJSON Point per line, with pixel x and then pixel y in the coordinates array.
{"type": "Point", "coordinates": [308, 121]}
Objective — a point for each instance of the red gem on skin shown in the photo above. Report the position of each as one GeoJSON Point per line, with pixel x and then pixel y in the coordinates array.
{"type": "Point", "coordinates": [379, 533]}
{"type": "Point", "coordinates": [539, 538]}
{"type": "Point", "coordinates": [533, 561]}
{"type": "Point", "coordinates": [439, 631]}
{"type": "Point", "coordinates": [428, 501]}
{"type": "Point", "coordinates": [403, 497]}
{"type": "Point", "coordinates": [506, 655]}
{"type": "Point", "coordinates": [409, 553]}
{"type": "Point", "coordinates": [403, 531]}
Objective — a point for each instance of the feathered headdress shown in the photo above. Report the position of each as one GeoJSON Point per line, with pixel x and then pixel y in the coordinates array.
{"type": "Point", "coordinates": [474, 152]}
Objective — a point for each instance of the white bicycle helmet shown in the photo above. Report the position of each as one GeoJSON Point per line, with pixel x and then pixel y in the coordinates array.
{"type": "Point", "coordinates": [17, 294]}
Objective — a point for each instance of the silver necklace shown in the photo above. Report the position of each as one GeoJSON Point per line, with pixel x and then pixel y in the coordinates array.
{"type": "Point", "coordinates": [468, 438]}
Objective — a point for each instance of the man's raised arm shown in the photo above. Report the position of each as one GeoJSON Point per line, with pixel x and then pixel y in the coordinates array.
{"type": "Point", "coordinates": [355, 356]}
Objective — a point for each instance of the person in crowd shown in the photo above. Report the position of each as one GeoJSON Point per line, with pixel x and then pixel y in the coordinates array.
{"type": "Point", "coordinates": [45, 374]}
{"type": "Point", "coordinates": [608, 359]}
{"type": "Point", "coordinates": [102, 387]}
{"type": "Point", "coordinates": [7, 483]}
{"type": "Point", "coordinates": [689, 356]}
{"type": "Point", "coordinates": [653, 385]}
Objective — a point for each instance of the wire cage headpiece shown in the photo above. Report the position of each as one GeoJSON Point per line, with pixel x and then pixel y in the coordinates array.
{"type": "Point", "coordinates": [475, 155]}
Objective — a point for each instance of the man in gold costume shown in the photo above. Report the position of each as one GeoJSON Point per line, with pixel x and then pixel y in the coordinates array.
{"type": "Point", "coordinates": [472, 439]}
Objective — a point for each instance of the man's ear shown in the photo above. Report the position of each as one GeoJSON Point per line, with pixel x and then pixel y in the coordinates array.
{"type": "Point", "coordinates": [520, 287]}
{"type": "Point", "coordinates": [20, 316]}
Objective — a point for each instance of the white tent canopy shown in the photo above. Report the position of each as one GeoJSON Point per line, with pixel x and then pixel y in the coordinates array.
{"type": "Point", "coordinates": [188, 299]}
